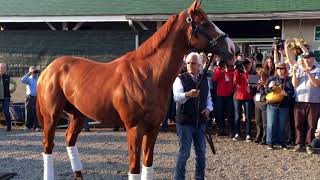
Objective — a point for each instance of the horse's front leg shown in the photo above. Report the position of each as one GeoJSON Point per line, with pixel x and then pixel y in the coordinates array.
{"type": "Point", "coordinates": [72, 133]}
{"type": "Point", "coordinates": [134, 136]}
{"type": "Point", "coordinates": [149, 140]}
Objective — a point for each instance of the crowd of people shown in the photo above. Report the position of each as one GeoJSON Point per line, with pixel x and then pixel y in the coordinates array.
{"type": "Point", "coordinates": [282, 97]}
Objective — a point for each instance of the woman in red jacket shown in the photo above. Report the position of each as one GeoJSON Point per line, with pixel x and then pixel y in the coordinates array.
{"type": "Point", "coordinates": [223, 78]}
{"type": "Point", "coordinates": [243, 98]}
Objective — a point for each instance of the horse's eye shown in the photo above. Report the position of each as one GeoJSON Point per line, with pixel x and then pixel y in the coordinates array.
{"type": "Point", "coordinates": [205, 24]}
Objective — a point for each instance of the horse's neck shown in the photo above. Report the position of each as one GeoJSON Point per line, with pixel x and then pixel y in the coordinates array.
{"type": "Point", "coordinates": [167, 60]}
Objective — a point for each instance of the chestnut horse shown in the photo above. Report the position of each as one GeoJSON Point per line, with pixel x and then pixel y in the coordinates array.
{"type": "Point", "coordinates": [133, 89]}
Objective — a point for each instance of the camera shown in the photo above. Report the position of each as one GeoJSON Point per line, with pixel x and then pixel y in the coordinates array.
{"type": "Point", "coordinates": [36, 71]}
{"type": "Point", "coordinates": [241, 65]}
{"type": "Point", "coordinates": [222, 64]}
{"type": "Point", "coordinates": [278, 43]}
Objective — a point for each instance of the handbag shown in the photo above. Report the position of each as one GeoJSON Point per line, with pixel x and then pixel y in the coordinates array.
{"type": "Point", "coordinates": [275, 96]}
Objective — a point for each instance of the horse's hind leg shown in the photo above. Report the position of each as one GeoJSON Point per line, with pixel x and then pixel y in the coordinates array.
{"type": "Point", "coordinates": [48, 119]}
{"type": "Point", "coordinates": [48, 132]}
{"type": "Point", "coordinates": [75, 126]}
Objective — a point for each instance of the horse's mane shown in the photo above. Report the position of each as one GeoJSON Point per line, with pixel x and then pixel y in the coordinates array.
{"type": "Point", "coordinates": [150, 46]}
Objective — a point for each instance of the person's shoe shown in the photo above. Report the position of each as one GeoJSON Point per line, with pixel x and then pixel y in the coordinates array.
{"type": "Point", "coordinates": [220, 132]}
{"type": "Point", "coordinates": [284, 147]}
{"type": "Point", "coordinates": [87, 129]}
{"type": "Point", "coordinates": [257, 141]}
{"type": "Point", "coordinates": [262, 143]}
{"type": "Point", "coordinates": [8, 128]}
{"type": "Point", "coordinates": [298, 148]}
{"type": "Point", "coordinates": [309, 150]}
{"type": "Point", "coordinates": [27, 129]}
{"type": "Point", "coordinates": [231, 135]}
{"type": "Point", "coordinates": [37, 129]}
{"type": "Point", "coordinates": [236, 137]}
{"type": "Point", "coordinates": [248, 138]}
{"type": "Point", "coordinates": [270, 147]}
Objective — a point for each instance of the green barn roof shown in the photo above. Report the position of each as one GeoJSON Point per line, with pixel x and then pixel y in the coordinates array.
{"type": "Point", "coordinates": [147, 7]}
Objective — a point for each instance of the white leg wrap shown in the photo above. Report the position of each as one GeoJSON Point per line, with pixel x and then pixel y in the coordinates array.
{"type": "Point", "coordinates": [48, 172]}
{"type": "Point", "coordinates": [134, 176]}
{"type": "Point", "coordinates": [147, 173]}
{"type": "Point", "coordinates": [74, 158]}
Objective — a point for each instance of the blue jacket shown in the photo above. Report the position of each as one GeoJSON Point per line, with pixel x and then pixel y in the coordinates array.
{"type": "Point", "coordinates": [287, 87]}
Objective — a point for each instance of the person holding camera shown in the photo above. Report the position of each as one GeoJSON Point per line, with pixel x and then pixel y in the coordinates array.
{"type": "Point", "coordinates": [223, 78]}
{"type": "Point", "coordinates": [243, 98]}
{"type": "Point", "coordinates": [31, 80]}
{"type": "Point", "coordinates": [5, 92]}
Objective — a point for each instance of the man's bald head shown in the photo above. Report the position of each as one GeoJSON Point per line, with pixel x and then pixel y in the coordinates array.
{"type": "Point", "coordinates": [3, 69]}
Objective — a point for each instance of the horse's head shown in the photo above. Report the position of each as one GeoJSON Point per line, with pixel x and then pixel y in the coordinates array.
{"type": "Point", "coordinates": [205, 35]}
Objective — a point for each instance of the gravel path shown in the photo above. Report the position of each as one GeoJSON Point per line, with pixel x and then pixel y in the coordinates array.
{"type": "Point", "coordinates": [104, 156]}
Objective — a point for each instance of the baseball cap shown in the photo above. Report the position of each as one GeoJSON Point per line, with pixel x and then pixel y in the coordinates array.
{"type": "Point", "coordinates": [308, 55]}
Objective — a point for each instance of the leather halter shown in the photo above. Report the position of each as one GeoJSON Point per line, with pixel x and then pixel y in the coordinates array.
{"type": "Point", "coordinates": [199, 30]}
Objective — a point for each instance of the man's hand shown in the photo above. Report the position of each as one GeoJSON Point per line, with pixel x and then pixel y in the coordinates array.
{"type": "Point", "coordinates": [192, 93]}
{"type": "Point", "coordinates": [306, 70]}
{"type": "Point", "coordinates": [205, 112]}
{"type": "Point", "coordinates": [31, 70]}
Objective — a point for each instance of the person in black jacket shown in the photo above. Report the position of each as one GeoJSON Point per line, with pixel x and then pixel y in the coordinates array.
{"type": "Point", "coordinates": [193, 108]}
{"type": "Point", "coordinates": [5, 92]}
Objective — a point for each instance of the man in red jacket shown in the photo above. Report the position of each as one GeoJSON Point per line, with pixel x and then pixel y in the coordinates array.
{"type": "Point", "coordinates": [223, 77]}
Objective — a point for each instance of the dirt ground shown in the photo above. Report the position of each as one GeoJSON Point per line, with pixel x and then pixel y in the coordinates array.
{"type": "Point", "coordinates": [104, 156]}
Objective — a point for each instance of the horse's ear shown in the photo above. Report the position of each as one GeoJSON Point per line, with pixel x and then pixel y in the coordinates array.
{"type": "Point", "coordinates": [194, 7]}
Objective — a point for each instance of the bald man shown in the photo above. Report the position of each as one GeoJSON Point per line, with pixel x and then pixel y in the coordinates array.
{"type": "Point", "coordinates": [5, 92]}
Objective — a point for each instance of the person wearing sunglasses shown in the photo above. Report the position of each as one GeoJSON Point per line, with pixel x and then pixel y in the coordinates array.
{"type": "Point", "coordinates": [277, 112]}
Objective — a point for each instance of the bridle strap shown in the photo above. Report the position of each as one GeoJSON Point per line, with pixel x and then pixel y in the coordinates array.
{"type": "Point", "coordinates": [198, 30]}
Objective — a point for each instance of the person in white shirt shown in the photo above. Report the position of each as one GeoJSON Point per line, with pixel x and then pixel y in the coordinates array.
{"type": "Point", "coordinates": [193, 108]}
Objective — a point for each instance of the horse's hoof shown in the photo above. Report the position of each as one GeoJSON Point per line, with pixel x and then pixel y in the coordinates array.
{"type": "Point", "coordinates": [78, 175]}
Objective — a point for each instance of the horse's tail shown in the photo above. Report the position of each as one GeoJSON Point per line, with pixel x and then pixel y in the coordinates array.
{"type": "Point", "coordinates": [39, 115]}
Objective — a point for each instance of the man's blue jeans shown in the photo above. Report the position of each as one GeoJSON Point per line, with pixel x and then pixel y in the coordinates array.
{"type": "Point", "coordinates": [248, 107]}
{"type": "Point", "coordinates": [5, 106]}
{"type": "Point", "coordinates": [187, 134]}
{"type": "Point", "coordinates": [277, 119]}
